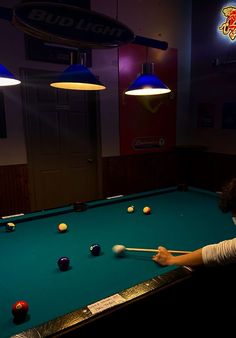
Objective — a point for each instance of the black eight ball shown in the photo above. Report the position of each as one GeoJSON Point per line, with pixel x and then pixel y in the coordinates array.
{"type": "Point", "coordinates": [95, 249]}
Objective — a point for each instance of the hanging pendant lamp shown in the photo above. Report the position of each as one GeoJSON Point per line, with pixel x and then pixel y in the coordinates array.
{"type": "Point", "coordinates": [147, 83]}
{"type": "Point", "coordinates": [7, 78]}
{"type": "Point", "coordinates": [78, 77]}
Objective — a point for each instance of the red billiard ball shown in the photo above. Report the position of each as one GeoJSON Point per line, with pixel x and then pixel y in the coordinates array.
{"type": "Point", "coordinates": [95, 249]}
{"type": "Point", "coordinates": [20, 309]}
{"type": "Point", "coordinates": [146, 210]}
{"type": "Point", "coordinates": [63, 263]}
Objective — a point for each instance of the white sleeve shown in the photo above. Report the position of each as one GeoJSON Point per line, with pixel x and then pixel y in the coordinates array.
{"type": "Point", "coordinates": [221, 253]}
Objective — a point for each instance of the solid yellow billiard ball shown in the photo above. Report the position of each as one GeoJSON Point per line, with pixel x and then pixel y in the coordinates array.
{"type": "Point", "coordinates": [130, 209]}
{"type": "Point", "coordinates": [62, 227]}
{"type": "Point", "coordinates": [146, 210]}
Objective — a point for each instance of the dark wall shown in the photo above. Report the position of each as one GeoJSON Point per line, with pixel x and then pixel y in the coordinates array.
{"type": "Point", "coordinates": [191, 165]}
{"type": "Point", "coordinates": [210, 50]}
{"type": "Point", "coordinates": [132, 174]}
{"type": "Point", "coordinates": [14, 191]}
{"type": "Point", "coordinates": [213, 78]}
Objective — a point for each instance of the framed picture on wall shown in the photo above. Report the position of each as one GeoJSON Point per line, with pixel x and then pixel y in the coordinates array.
{"type": "Point", "coordinates": [229, 115]}
{"type": "Point", "coordinates": [3, 129]}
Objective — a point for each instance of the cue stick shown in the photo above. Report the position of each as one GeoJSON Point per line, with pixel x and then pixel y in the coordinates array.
{"type": "Point", "coordinates": [156, 250]}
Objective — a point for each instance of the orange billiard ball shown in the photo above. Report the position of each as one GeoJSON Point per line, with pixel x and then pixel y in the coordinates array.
{"type": "Point", "coordinates": [62, 227]}
{"type": "Point", "coordinates": [146, 210]}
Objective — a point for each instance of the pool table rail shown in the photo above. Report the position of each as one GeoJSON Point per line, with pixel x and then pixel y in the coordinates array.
{"type": "Point", "coordinates": [75, 321]}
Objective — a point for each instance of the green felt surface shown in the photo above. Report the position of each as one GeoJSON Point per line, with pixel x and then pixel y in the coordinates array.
{"type": "Point", "coordinates": [28, 259]}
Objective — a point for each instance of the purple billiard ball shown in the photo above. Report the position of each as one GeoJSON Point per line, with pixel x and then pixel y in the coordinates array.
{"type": "Point", "coordinates": [95, 249]}
{"type": "Point", "coordinates": [63, 263]}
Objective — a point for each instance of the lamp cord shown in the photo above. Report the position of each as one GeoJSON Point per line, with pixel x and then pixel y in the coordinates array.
{"type": "Point", "coordinates": [117, 9]}
{"type": "Point", "coordinates": [146, 54]}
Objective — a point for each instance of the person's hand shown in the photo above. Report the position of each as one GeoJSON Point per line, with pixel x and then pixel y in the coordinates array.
{"type": "Point", "coordinates": [163, 257]}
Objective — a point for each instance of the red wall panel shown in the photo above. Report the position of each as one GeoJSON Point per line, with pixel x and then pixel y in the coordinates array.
{"type": "Point", "coordinates": [147, 123]}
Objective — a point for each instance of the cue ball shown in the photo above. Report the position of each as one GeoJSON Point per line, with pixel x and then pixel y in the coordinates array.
{"type": "Point", "coordinates": [62, 227]}
{"type": "Point", "coordinates": [10, 227]}
{"type": "Point", "coordinates": [95, 249]}
{"type": "Point", "coordinates": [146, 210]}
{"type": "Point", "coordinates": [130, 209]}
{"type": "Point", "coordinates": [63, 263]}
{"type": "Point", "coordinates": [20, 309]}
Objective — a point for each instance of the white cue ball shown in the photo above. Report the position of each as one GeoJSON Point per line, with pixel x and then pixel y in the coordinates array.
{"type": "Point", "coordinates": [118, 249]}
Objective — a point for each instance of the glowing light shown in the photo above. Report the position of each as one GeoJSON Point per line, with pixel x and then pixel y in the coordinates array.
{"type": "Point", "coordinates": [228, 27]}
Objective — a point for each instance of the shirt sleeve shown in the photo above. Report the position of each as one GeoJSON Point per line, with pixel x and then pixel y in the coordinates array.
{"type": "Point", "coordinates": [221, 253]}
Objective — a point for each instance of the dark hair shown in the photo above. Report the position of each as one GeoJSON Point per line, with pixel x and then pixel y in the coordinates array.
{"type": "Point", "coordinates": [228, 197]}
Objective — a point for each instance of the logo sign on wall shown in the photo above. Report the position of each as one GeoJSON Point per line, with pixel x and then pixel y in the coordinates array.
{"type": "Point", "coordinates": [228, 27]}
{"type": "Point", "coordinates": [70, 25]}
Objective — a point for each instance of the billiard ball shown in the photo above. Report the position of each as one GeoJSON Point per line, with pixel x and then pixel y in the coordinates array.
{"type": "Point", "coordinates": [119, 249]}
{"type": "Point", "coordinates": [62, 227]}
{"type": "Point", "coordinates": [146, 210]}
{"type": "Point", "coordinates": [95, 249]}
{"type": "Point", "coordinates": [63, 263]}
{"type": "Point", "coordinates": [20, 309]}
{"type": "Point", "coordinates": [130, 209]}
{"type": "Point", "coordinates": [10, 227]}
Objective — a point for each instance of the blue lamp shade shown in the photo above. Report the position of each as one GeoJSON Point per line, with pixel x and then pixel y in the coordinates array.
{"type": "Point", "coordinates": [147, 83]}
{"type": "Point", "coordinates": [7, 78]}
{"type": "Point", "coordinates": [78, 77]}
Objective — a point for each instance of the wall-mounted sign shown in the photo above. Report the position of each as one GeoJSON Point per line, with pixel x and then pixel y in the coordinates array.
{"type": "Point", "coordinates": [70, 25]}
{"type": "Point", "coordinates": [228, 27]}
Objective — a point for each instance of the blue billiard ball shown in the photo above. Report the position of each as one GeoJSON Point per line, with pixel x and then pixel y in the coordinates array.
{"type": "Point", "coordinates": [95, 249]}
{"type": "Point", "coordinates": [63, 263]}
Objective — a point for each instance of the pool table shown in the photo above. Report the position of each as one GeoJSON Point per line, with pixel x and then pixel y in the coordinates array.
{"type": "Point", "coordinates": [64, 303]}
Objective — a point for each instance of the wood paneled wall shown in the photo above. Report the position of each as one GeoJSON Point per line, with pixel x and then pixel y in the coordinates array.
{"type": "Point", "coordinates": [210, 170]}
{"type": "Point", "coordinates": [14, 190]}
{"type": "Point", "coordinates": [193, 166]}
{"type": "Point", "coordinates": [131, 174]}
{"type": "Point", "coordinates": [135, 173]}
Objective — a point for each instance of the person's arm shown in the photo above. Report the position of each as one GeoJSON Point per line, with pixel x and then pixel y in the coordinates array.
{"type": "Point", "coordinates": [164, 258]}
{"type": "Point", "coordinates": [221, 253]}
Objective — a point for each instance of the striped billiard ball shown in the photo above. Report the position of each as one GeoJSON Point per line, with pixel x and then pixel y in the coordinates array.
{"type": "Point", "coordinates": [10, 227]}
